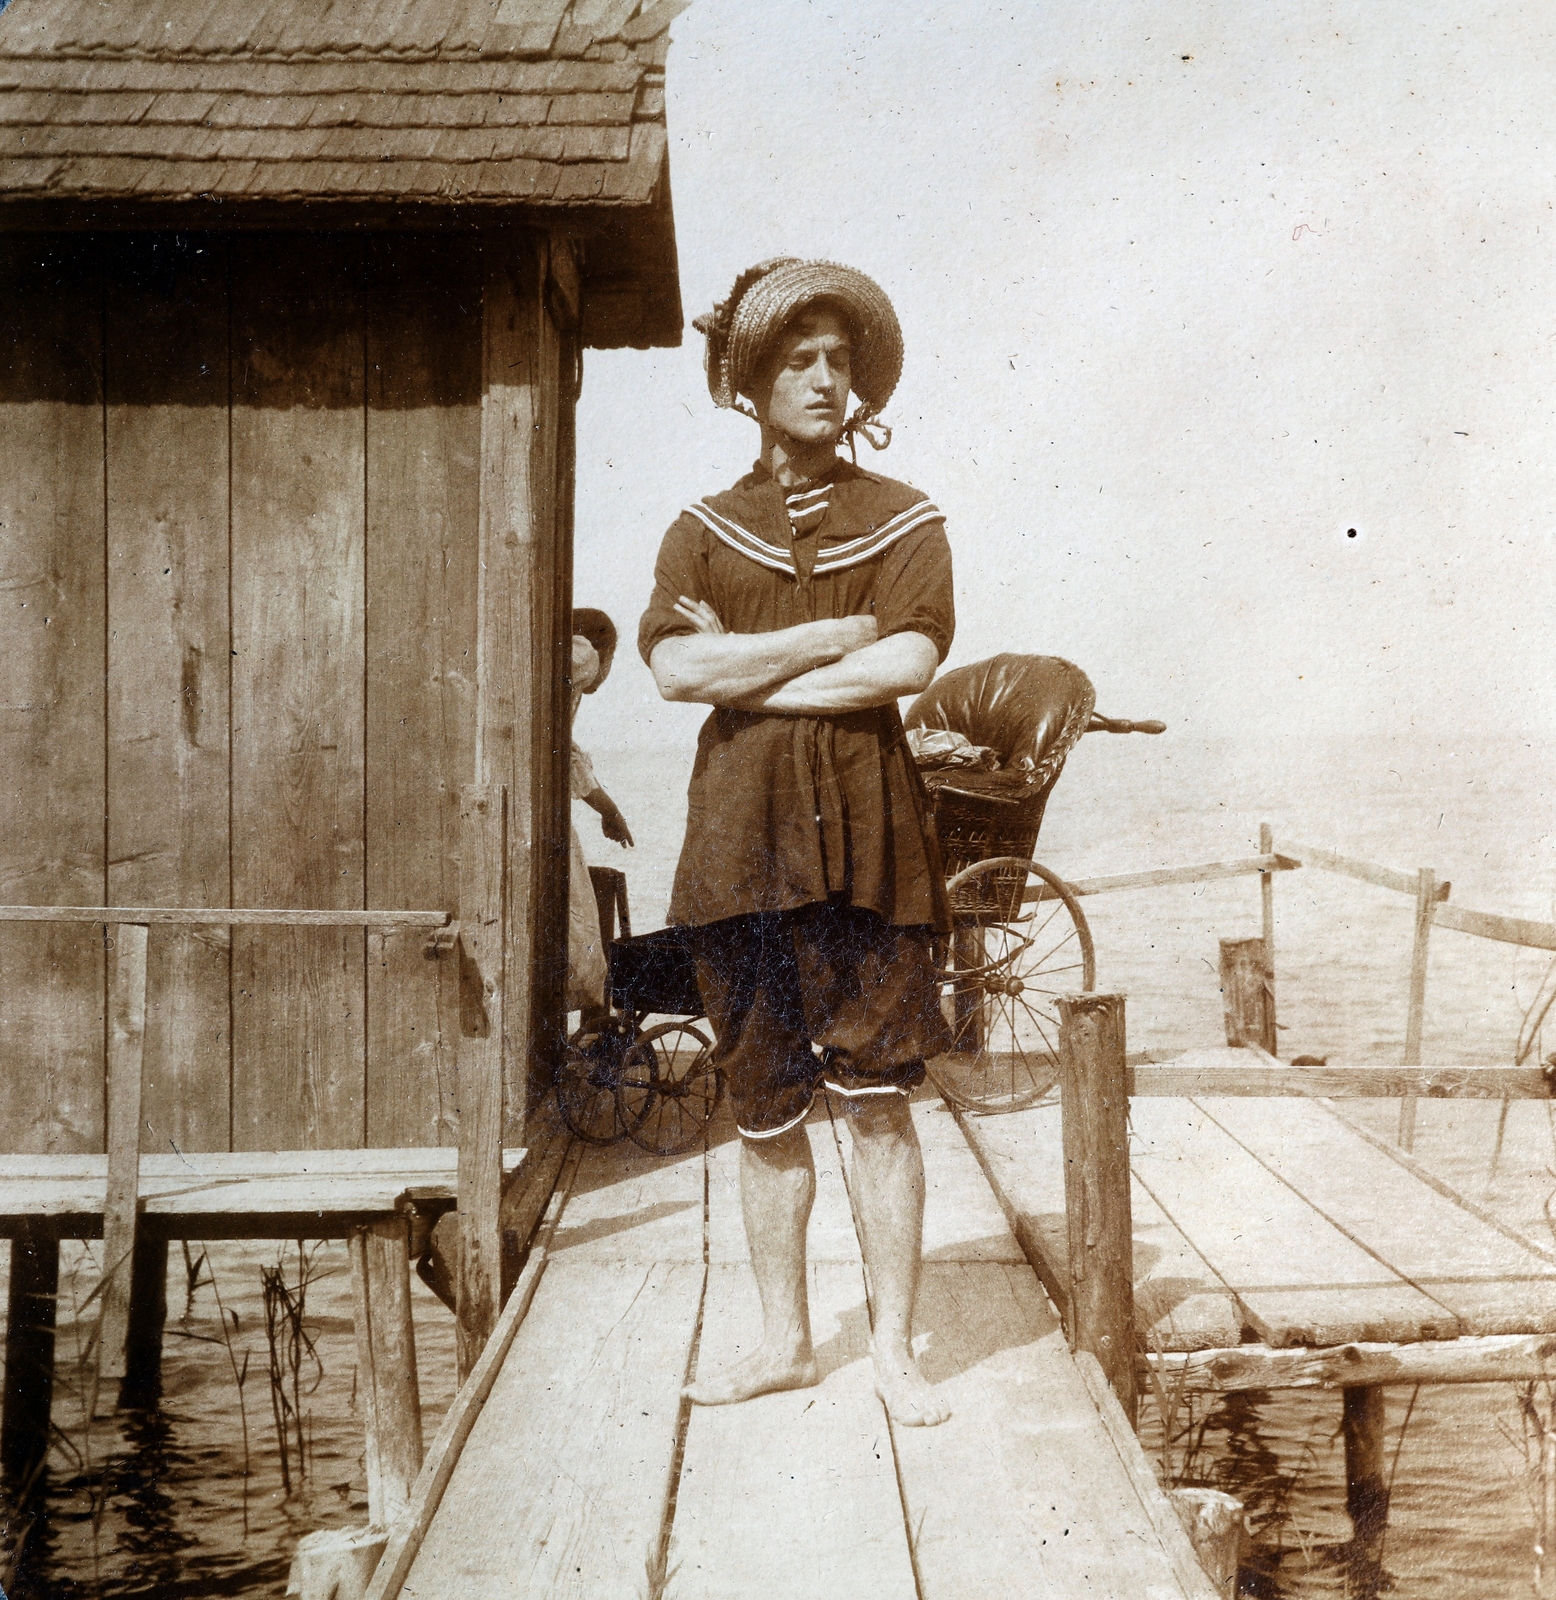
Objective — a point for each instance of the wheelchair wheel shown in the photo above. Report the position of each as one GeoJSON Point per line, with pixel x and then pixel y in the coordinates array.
{"type": "Point", "coordinates": [668, 1088]}
{"type": "Point", "coordinates": [1007, 962]}
{"type": "Point", "coordinates": [586, 1084]}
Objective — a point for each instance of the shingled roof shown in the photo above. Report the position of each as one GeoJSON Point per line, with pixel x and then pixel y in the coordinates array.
{"type": "Point", "coordinates": [397, 109]}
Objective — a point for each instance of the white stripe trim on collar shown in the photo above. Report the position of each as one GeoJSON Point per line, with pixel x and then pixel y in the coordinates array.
{"type": "Point", "coordinates": [835, 559]}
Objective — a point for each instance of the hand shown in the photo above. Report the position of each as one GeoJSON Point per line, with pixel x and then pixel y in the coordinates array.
{"type": "Point", "coordinates": [614, 826]}
{"type": "Point", "coordinates": [700, 614]}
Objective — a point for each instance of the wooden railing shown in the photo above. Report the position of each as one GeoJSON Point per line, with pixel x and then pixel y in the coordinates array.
{"type": "Point", "coordinates": [1248, 966]}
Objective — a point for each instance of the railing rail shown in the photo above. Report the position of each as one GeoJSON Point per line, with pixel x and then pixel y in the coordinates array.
{"type": "Point", "coordinates": [227, 916]}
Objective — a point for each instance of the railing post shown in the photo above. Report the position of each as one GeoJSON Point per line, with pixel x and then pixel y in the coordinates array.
{"type": "Point", "coordinates": [1094, 1105]}
{"type": "Point", "coordinates": [482, 899]}
{"type": "Point", "coordinates": [126, 1044]}
{"type": "Point", "coordinates": [386, 1359]}
{"type": "Point", "coordinates": [1427, 895]}
{"type": "Point", "coordinates": [1267, 916]}
{"type": "Point", "coordinates": [1247, 996]}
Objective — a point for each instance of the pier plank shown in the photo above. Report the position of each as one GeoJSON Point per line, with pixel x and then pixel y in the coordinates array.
{"type": "Point", "coordinates": [562, 1486]}
{"type": "Point", "coordinates": [791, 1495]}
{"type": "Point", "coordinates": [245, 1183]}
{"type": "Point", "coordinates": [1180, 1302]}
{"type": "Point", "coordinates": [1300, 1280]}
{"type": "Point", "coordinates": [1025, 1444]}
{"type": "Point", "coordinates": [627, 1206]}
{"type": "Point", "coordinates": [1024, 1453]}
{"type": "Point", "coordinates": [1491, 1283]}
{"type": "Point", "coordinates": [962, 1216]}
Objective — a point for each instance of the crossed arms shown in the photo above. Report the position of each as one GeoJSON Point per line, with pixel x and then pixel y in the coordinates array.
{"type": "Point", "coordinates": [814, 669]}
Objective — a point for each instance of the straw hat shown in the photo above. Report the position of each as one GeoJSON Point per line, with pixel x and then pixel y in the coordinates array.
{"type": "Point", "coordinates": [767, 296]}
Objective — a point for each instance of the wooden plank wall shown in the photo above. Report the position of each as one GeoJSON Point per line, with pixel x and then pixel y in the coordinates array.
{"type": "Point", "coordinates": [298, 634]}
{"type": "Point", "coordinates": [168, 653]}
{"type": "Point", "coordinates": [423, 460]}
{"type": "Point", "coordinates": [52, 625]}
{"type": "Point", "coordinates": [240, 545]}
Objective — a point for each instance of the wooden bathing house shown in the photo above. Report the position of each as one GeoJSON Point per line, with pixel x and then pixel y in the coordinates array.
{"type": "Point", "coordinates": [296, 300]}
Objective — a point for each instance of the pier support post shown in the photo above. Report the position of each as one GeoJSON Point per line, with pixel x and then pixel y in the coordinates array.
{"type": "Point", "coordinates": [142, 1386]}
{"type": "Point", "coordinates": [386, 1359]}
{"type": "Point", "coordinates": [1214, 1522]}
{"type": "Point", "coordinates": [1094, 1105]}
{"type": "Point", "coordinates": [1366, 1485]}
{"type": "Point", "coordinates": [1247, 994]}
{"type": "Point", "coordinates": [126, 1043]}
{"type": "Point", "coordinates": [335, 1563]}
{"type": "Point", "coordinates": [29, 1347]}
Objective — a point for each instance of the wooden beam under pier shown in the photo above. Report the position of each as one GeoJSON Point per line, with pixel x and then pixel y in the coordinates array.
{"type": "Point", "coordinates": [1493, 1358]}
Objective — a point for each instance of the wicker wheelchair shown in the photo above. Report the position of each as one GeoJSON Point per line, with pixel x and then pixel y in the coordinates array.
{"type": "Point", "coordinates": [1019, 939]}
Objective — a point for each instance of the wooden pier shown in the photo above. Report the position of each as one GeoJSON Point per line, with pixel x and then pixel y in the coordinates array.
{"type": "Point", "coordinates": [585, 1473]}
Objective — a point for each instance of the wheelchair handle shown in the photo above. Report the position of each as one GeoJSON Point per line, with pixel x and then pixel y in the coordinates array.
{"type": "Point", "coordinates": [1117, 725]}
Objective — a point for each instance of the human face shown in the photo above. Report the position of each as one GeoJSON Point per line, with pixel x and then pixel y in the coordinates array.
{"type": "Point", "coordinates": [804, 381]}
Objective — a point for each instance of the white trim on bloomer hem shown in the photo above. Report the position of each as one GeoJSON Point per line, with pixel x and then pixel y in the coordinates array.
{"type": "Point", "coordinates": [772, 1133]}
{"type": "Point", "coordinates": [874, 1088]}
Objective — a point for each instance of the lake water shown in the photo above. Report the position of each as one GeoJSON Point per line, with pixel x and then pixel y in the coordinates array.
{"type": "Point", "coordinates": [160, 1504]}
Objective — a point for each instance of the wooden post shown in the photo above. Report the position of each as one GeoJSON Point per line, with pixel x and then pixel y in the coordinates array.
{"type": "Point", "coordinates": [522, 649]}
{"type": "Point", "coordinates": [31, 1301]}
{"type": "Point", "coordinates": [142, 1386]}
{"type": "Point", "coordinates": [1366, 1486]}
{"type": "Point", "coordinates": [1094, 1106]}
{"type": "Point", "coordinates": [1247, 997]}
{"type": "Point", "coordinates": [1427, 896]}
{"type": "Point", "coordinates": [386, 1357]}
{"type": "Point", "coordinates": [1214, 1523]}
{"type": "Point", "coordinates": [335, 1563]}
{"type": "Point", "coordinates": [126, 1042]}
{"type": "Point", "coordinates": [1267, 917]}
{"type": "Point", "coordinates": [482, 881]}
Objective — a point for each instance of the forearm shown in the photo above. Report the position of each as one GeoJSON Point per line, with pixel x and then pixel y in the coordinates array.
{"type": "Point", "coordinates": [722, 668]}
{"type": "Point", "coordinates": [877, 675]}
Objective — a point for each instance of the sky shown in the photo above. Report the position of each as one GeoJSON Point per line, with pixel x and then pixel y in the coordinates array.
{"type": "Point", "coordinates": [1231, 336]}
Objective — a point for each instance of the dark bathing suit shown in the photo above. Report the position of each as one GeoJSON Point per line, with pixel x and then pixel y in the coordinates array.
{"type": "Point", "coordinates": [809, 873]}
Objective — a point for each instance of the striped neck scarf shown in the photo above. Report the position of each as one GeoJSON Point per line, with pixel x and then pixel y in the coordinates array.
{"type": "Point", "coordinates": [807, 507]}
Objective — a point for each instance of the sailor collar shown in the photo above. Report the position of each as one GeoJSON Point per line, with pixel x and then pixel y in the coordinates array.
{"type": "Point", "coordinates": [831, 558]}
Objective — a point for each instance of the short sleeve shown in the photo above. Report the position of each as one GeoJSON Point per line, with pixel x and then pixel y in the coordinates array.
{"type": "Point", "coordinates": [913, 593]}
{"type": "Point", "coordinates": [583, 780]}
{"type": "Point", "coordinates": [586, 665]}
{"type": "Point", "coordinates": [682, 568]}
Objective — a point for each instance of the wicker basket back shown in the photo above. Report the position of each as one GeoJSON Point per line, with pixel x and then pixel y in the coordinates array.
{"type": "Point", "coordinates": [977, 827]}
{"type": "Point", "coordinates": [1032, 707]}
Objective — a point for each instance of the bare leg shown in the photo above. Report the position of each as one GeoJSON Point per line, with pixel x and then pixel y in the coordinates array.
{"type": "Point", "coordinates": [777, 1186]}
{"type": "Point", "coordinates": [887, 1185]}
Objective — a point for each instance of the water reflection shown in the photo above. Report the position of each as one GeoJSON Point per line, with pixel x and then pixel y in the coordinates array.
{"type": "Point", "coordinates": [171, 1501]}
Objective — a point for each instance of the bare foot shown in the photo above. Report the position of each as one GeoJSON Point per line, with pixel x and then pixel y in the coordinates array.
{"type": "Point", "coordinates": [907, 1394]}
{"type": "Point", "coordinates": [762, 1372]}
